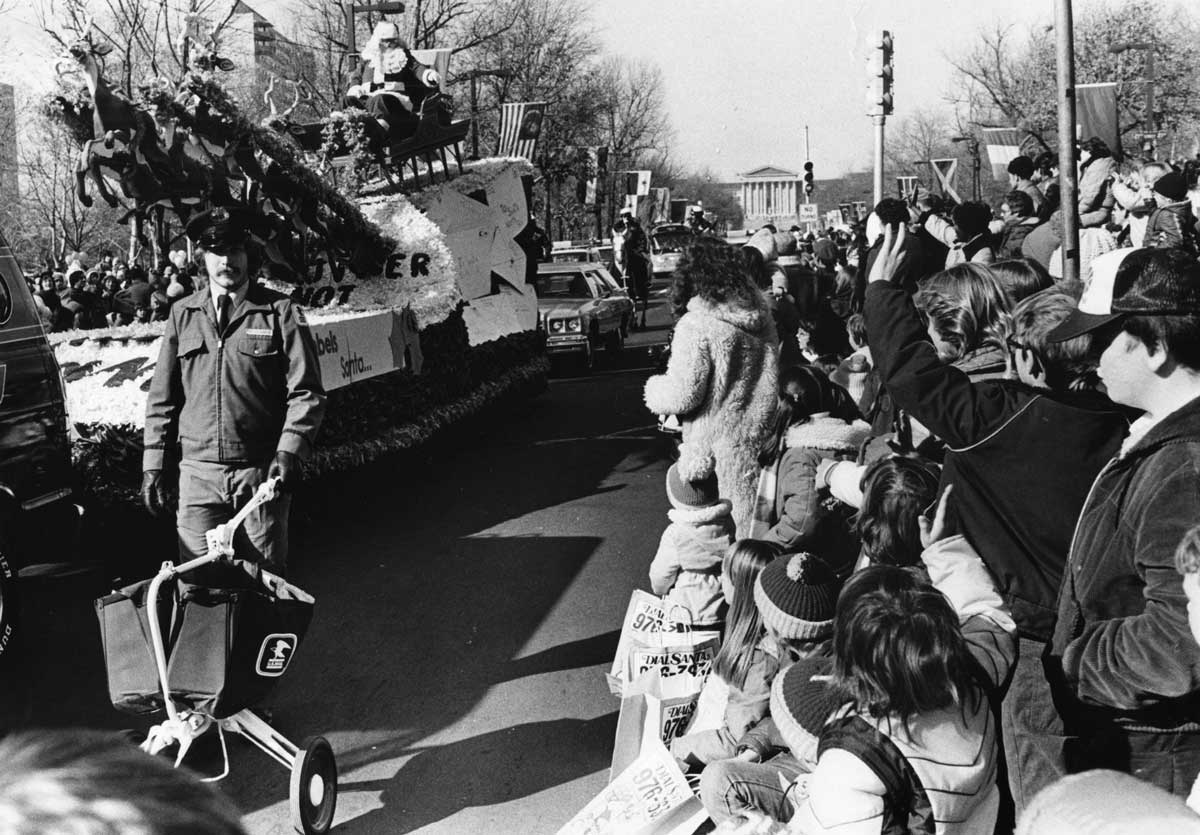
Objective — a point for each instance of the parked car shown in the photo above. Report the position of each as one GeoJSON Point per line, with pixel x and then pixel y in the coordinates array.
{"type": "Point", "coordinates": [582, 308]}
{"type": "Point", "coordinates": [575, 255]}
{"type": "Point", "coordinates": [37, 515]}
{"type": "Point", "coordinates": [666, 247]}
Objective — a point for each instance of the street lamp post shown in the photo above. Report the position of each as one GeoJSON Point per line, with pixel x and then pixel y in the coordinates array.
{"type": "Point", "coordinates": [976, 164]}
{"type": "Point", "coordinates": [1150, 134]}
{"type": "Point", "coordinates": [473, 76]}
{"type": "Point", "coordinates": [1068, 174]}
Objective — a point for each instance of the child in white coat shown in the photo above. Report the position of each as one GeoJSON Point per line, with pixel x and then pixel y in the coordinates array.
{"type": "Point", "coordinates": [687, 568]}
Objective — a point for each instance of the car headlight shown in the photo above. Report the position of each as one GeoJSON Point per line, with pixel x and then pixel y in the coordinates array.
{"type": "Point", "coordinates": [574, 325]}
{"type": "Point", "coordinates": [556, 326]}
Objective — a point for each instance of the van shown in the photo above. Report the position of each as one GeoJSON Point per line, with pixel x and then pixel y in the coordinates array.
{"type": "Point", "coordinates": [37, 514]}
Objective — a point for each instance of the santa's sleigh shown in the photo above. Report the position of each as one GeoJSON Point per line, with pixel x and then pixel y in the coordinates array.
{"type": "Point", "coordinates": [400, 160]}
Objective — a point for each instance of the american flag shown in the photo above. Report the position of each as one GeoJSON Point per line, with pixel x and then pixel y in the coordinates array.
{"type": "Point", "coordinates": [520, 127]}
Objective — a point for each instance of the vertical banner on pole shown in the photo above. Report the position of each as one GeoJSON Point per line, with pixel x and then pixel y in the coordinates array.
{"type": "Point", "coordinates": [1096, 114]}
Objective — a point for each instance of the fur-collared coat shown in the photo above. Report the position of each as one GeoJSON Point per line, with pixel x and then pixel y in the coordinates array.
{"type": "Point", "coordinates": [722, 381]}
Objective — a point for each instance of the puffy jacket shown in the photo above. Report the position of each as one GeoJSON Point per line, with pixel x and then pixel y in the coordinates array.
{"type": "Point", "coordinates": [1020, 458]}
{"type": "Point", "coordinates": [1013, 235]}
{"type": "Point", "coordinates": [802, 520]}
{"type": "Point", "coordinates": [236, 397]}
{"type": "Point", "coordinates": [951, 752]}
{"type": "Point", "coordinates": [1122, 642]}
{"type": "Point", "coordinates": [687, 567]}
{"type": "Point", "coordinates": [1172, 226]}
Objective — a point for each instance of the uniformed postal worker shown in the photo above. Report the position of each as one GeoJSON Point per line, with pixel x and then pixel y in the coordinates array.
{"type": "Point", "coordinates": [236, 398]}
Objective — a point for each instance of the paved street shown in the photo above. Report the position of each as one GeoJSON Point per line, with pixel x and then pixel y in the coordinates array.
{"type": "Point", "coordinates": [468, 607]}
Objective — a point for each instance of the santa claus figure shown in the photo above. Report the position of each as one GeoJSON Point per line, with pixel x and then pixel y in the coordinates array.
{"type": "Point", "coordinates": [394, 84]}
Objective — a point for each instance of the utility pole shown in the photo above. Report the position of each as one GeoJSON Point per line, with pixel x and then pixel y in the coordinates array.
{"type": "Point", "coordinates": [879, 97]}
{"type": "Point", "coordinates": [1068, 174]}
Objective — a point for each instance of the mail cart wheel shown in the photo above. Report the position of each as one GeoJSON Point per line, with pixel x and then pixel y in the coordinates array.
{"type": "Point", "coordinates": [313, 795]}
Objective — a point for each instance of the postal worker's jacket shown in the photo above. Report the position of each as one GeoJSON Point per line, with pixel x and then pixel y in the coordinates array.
{"type": "Point", "coordinates": [237, 397]}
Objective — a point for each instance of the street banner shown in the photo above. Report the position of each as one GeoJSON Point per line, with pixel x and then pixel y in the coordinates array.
{"type": "Point", "coordinates": [520, 127]}
{"type": "Point", "coordinates": [944, 170]}
{"type": "Point", "coordinates": [1096, 114]}
{"type": "Point", "coordinates": [906, 188]}
{"type": "Point", "coordinates": [637, 183]}
{"type": "Point", "coordinates": [659, 211]}
{"type": "Point", "coordinates": [439, 59]}
{"type": "Point", "coordinates": [596, 172]}
{"type": "Point", "coordinates": [1003, 145]}
{"type": "Point", "coordinates": [808, 212]}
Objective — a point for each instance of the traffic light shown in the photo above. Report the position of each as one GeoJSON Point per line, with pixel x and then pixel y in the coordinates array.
{"type": "Point", "coordinates": [879, 76]}
{"type": "Point", "coordinates": [809, 185]}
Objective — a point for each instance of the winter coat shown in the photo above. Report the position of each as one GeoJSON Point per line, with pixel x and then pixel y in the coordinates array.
{"type": "Point", "coordinates": [949, 755]}
{"type": "Point", "coordinates": [1035, 194]}
{"type": "Point", "coordinates": [803, 518]}
{"type": "Point", "coordinates": [687, 567]}
{"type": "Point", "coordinates": [1095, 196]}
{"type": "Point", "coordinates": [978, 250]}
{"type": "Point", "coordinates": [748, 706]}
{"type": "Point", "coordinates": [1172, 226]}
{"type": "Point", "coordinates": [722, 381]}
{"type": "Point", "coordinates": [1017, 517]}
{"type": "Point", "coordinates": [1121, 642]}
{"type": "Point", "coordinates": [1013, 235]}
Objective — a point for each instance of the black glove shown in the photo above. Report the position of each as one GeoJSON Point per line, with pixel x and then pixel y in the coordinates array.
{"type": "Point", "coordinates": [285, 467]}
{"type": "Point", "coordinates": [154, 493]}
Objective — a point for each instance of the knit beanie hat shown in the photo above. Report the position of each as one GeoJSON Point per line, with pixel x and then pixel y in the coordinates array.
{"type": "Point", "coordinates": [825, 250]}
{"type": "Point", "coordinates": [1103, 802]}
{"type": "Point", "coordinates": [684, 494]}
{"type": "Point", "coordinates": [1172, 186]}
{"type": "Point", "coordinates": [800, 705]}
{"type": "Point", "coordinates": [797, 595]}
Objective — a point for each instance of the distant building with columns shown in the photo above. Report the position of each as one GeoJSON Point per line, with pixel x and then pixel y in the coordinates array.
{"type": "Point", "coordinates": [770, 194]}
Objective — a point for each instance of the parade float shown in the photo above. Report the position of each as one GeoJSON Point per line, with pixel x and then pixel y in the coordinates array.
{"type": "Point", "coordinates": [415, 288]}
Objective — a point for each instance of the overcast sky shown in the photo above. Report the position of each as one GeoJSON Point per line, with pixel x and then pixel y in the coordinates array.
{"type": "Point", "coordinates": [743, 77]}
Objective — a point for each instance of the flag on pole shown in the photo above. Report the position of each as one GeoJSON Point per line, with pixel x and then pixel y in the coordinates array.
{"type": "Point", "coordinates": [637, 182]}
{"type": "Point", "coordinates": [1003, 145]}
{"type": "Point", "coordinates": [1096, 114]}
{"type": "Point", "coordinates": [944, 170]}
{"type": "Point", "coordinates": [520, 127]}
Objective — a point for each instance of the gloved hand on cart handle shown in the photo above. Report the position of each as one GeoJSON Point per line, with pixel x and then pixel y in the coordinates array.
{"type": "Point", "coordinates": [220, 538]}
{"type": "Point", "coordinates": [286, 468]}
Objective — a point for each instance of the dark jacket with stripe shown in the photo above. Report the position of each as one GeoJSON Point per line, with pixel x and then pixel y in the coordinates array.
{"type": "Point", "coordinates": [236, 397]}
{"type": "Point", "coordinates": [1021, 459]}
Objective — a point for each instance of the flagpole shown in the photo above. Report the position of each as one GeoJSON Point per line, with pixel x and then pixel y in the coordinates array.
{"type": "Point", "coordinates": [1068, 173]}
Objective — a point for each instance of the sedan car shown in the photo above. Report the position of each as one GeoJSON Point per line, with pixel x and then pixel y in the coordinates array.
{"type": "Point", "coordinates": [582, 308]}
{"type": "Point", "coordinates": [666, 247]}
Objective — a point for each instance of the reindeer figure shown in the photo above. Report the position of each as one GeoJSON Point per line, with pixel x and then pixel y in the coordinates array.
{"type": "Point", "coordinates": [124, 135]}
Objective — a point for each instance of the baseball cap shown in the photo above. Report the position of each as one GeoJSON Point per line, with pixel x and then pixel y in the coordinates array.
{"type": "Point", "coordinates": [1134, 281]}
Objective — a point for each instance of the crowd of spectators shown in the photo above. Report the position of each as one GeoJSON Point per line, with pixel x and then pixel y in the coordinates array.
{"type": "Point", "coordinates": [109, 293]}
{"type": "Point", "coordinates": [971, 559]}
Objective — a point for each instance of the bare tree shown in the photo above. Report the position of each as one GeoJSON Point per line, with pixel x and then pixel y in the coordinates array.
{"type": "Point", "coordinates": [1009, 75]}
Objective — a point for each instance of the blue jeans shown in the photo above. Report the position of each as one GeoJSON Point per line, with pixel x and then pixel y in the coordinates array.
{"type": "Point", "coordinates": [209, 495]}
{"type": "Point", "coordinates": [728, 788]}
{"type": "Point", "coordinates": [1168, 759]}
{"type": "Point", "coordinates": [1031, 729]}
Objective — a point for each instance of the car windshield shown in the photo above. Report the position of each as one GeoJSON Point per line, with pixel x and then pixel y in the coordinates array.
{"type": "Point", "coordinates": [605, 253]}
{"type": "Point", "coordinates": [567, 256]}
{"type": "Point", "coordinates": [563, 286]}
{"type": "Point", "coordinates": [671, 242]}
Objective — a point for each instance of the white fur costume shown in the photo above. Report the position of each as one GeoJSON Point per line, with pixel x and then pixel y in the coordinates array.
{"type": "Point", "coordinates": [722, 382]}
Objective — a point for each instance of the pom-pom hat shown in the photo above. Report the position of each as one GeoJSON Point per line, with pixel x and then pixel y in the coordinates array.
{"type": "Point", "coordinates": [797, 595]}
{"type": "Point", "coordinates": [685, 494]}
{"type": "Point", "coordinates": [802, 699]}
